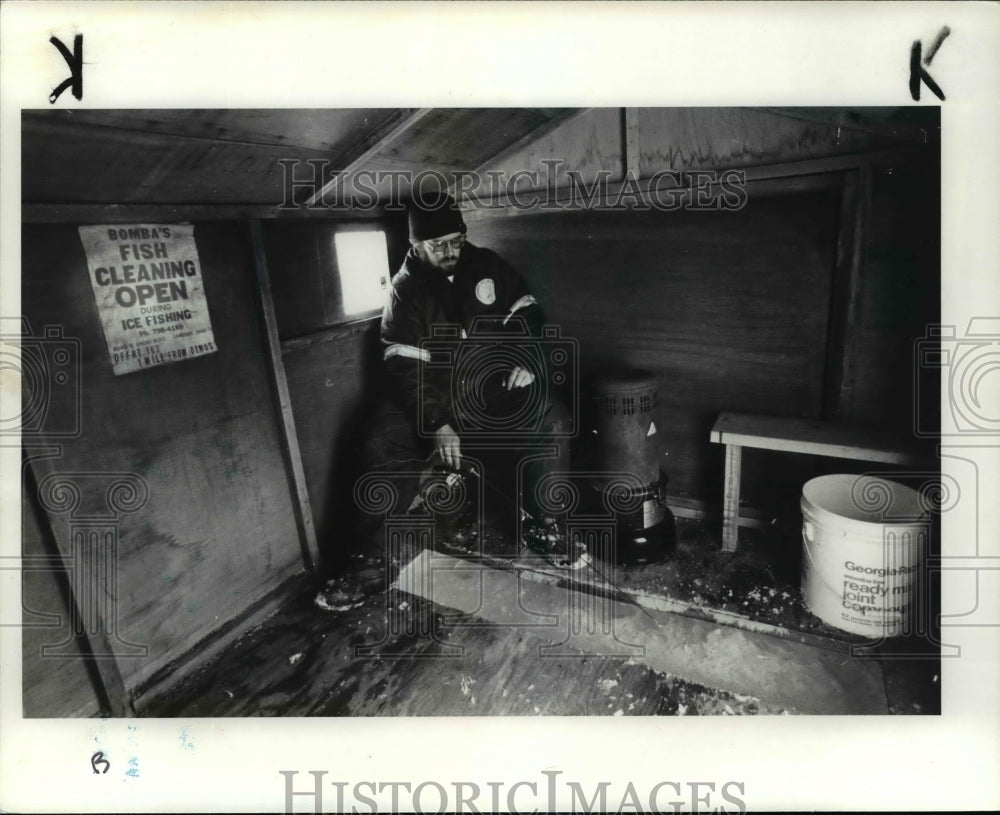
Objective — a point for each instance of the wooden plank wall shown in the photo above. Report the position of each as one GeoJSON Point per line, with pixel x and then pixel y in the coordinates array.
{"type": "Point", "coordinates": [732, 310]}
{"type": "Point", "coordinates": [209, 157]}
{"type": "Point", "coordinates": [52, 685]}
{"type": "Point", "coordinates": [331, 363]}
{"type": "Point", "coordinates": [684, 138]}
{"type": "Point", "coordinates": [589, 143]}
{"type": "Point", "coordinates": [218, 531]}
{"type": "Point", "coordinates": [728, 310]}
{"type": "Point", "coordinates": [900, 297]}
{"type": "Point", "coordinates": [330, 382]}
{"type": "Point", "coordinates": [677, 139]}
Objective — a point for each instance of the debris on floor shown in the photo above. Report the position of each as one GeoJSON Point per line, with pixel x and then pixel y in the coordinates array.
{"type": "Point", "coordinates": [380, 653]}
{"type": "Point", "coordinates": [340, 594]}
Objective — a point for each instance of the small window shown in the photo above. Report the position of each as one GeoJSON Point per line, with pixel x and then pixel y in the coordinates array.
{"type": "Point", "coordinates": [363, 260]}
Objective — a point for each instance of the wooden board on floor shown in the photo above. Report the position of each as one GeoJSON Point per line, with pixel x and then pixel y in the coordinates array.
{"type": "Point", "coordinates": [781, 672]}
{"type": "Point", "coordinates": [373, 660]}
{"type": "Point", "coordinates": [389, 655]}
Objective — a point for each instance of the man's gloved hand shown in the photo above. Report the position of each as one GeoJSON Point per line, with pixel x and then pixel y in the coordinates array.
{"type": "Point", "coordinates": [448, 446]}
{"type": "Point", "coordinates": [519, 378]}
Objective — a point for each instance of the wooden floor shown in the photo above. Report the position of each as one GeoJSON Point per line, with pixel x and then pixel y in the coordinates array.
{"type": "Point", "coordinates": [307, 663]}
{"type": "Point", "coordinates": [400, 655]}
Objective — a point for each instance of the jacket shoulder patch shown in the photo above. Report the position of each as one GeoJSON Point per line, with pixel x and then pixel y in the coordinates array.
{"type": "Point", "coordinates": [486, 292]}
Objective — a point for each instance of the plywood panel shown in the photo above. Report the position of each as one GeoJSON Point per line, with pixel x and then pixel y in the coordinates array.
{"type": "Point", "coordinates": [588, 144]}
{"type": "Point", "coordinates": [305, 286]}
{"type": "Point", "coordinates": [464, 137]}
{"type": "Point", "coordinates": [218, 530]}
{"type": "Point", "coordinates": [498, 672]}
{"type": "Point", "coordinates": [729, 310]}
{"type": "Point", "coordinates": [781, 672]}
{"type": "Point", "coordinates": [678, 139]}
{"type": "Point", "coordinates": [900, 297]}
{"type": "Point", "coordinates": [222, 156]}
{"type": "Point", "coordinates": [326, 130]}
{"type": "Point", "coordinates": [63, 163]}
{"type": "Point", "coordinates": [331, 365]}
{"type": "Point", "coordinates": [51, 685]}
{"type": "Point", "coordinates": [331, 382]}
{"type": "Point", "coordinates": [685, 138]}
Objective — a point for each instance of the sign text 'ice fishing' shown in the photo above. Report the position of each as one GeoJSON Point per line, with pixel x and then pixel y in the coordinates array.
{"type": "Point", "coordinates": [147, 283]}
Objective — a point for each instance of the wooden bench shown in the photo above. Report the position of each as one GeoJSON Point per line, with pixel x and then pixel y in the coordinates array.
{"type": "Point", "coordinates": [810, 436]}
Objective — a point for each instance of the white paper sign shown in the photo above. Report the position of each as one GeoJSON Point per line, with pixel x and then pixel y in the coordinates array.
{"type": "Point", "coordinates": [147, 283]}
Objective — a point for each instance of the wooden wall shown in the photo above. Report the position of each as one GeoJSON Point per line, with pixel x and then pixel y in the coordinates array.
{"type": "Point", "coordinates": [217, 533]}
{"type": "Point", "coordinates": [178, 156]}
{"type": "Point", "coordinates": [59, 684]}
{"type": "Point", "coordinates": [728, 310]}
{"type": "Point", "coordinates": [899, 297]}
{"type": "Point", "coordinates": [731, 310]}
{"type": "Point", "coordinates": [678, 139]}
{"type": "Point", "coordinates": [741, 310]}
{"type": "Point", "coordinates": [331, 361]}
{"type": "Point", "coordinates": [329, 381]}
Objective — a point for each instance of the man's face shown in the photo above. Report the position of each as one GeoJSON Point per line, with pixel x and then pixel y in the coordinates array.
{"type": "Point", "coordinates": [442, 252]}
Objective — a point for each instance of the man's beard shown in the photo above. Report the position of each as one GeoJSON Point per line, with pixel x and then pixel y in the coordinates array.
{"type": "Point", "coordinates": [446, 265]}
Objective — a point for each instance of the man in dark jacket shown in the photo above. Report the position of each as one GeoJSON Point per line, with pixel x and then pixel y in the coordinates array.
{"type": "Point", "coordinates": [468, 361]}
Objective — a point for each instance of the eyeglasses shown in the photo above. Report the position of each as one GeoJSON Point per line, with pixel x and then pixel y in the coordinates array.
{"type": "Point", "coordinates": [439, 247]}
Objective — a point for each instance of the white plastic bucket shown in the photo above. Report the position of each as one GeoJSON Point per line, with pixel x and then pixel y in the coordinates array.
{"type": "Point", "coordinates": [864, 540]}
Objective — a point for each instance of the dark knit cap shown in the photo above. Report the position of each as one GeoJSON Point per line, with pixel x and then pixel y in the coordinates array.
{"type": "Point", "coordinates": [433, 215]}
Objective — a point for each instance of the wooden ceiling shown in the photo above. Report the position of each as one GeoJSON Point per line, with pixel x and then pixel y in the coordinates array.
{"type": "Point", "coordinates": [232, 156]}
{"type": "Point", "coordinates": [239, 157]}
